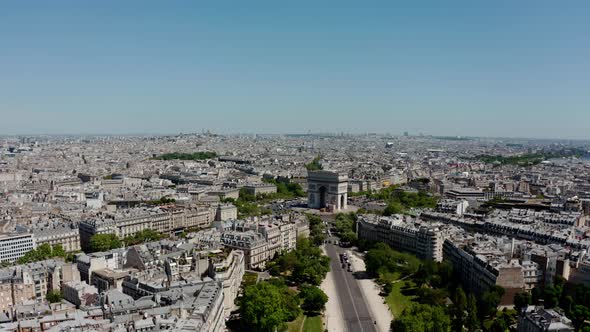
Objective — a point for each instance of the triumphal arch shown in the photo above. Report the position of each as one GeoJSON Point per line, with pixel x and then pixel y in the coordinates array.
{"type": "Point", "coordinates": [327, 189]}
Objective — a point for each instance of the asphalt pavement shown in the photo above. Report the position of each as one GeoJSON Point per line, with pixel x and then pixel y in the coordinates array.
{"type": "Point", "coordinates": [354, 308]}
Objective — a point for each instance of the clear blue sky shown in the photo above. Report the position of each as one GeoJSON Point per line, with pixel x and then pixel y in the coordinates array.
{"type": "Point", "coordinates": [485, 68]}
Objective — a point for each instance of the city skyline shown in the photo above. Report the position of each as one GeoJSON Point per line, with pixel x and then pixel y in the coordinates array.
{"type": "Point", "coordinates": [503, 70]}
{"type": "Point", "coordinates": [312, 166]}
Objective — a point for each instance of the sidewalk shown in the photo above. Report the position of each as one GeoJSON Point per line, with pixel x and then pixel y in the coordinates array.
{"type": "Point", "coordinates": [371, 291]}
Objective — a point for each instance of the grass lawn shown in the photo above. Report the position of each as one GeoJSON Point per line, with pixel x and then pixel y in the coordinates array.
{"type": "Point", "coordinates": [313, 324]}
{"type": "Point", "coordinates": [397, 300]}
{"type": "Point", "coordinates": [295, 326]}
{"type": "Point", "coordinates": [389, 276]}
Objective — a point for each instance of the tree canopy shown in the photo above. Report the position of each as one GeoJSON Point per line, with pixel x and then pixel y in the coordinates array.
{"type": "Point", "coordinates": [311, 265]}
{"type": "Point", "coordinates": [147, 235]}
{"type": "Point", "coordinates": [522, 300]}
{"type": "Point", "coordinates": [267, 306]}
{"type": "Point", "coordinates": [490, 300]}
{"type": "Point", "coordinates": [162, 201]}
{"type": "Point", "coordinates": [104, 242]}
{"type": "Point", "coordinates": [316, 229]}
{"type": "Point", "coordinates": [314, 299]}
{"type": "Point", "coordinates": [315, 164]}
{"type": "Point", "coordinates": [306, 265]}
{"type": "Point", "coordinates": [285, 190]}
{"type": "Point", "coordinates": [247, 205]}
{"type": "Point", "coordinates": [574, 299]}
{"type": "Point", "coordinates": [43, 252]}
{"type": "Point", "coordinates": [422, 318]}
{"type": "Point", "coordinates": [399, 201]}
{"type": "Point", "coordinates": [346, 227]}
{"type": "Point", "coordinates": [54, 296]}
{"type": "Point", "coordinates": [382, 259]}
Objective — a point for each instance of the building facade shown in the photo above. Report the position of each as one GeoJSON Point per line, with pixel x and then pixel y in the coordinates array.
{"type": "Point", "coordinates": [131, 222]}
{"type": "Point", "coordinates": [425, 242]}
{"type": "Point", "coordinates": [68, 236]}
{"type": "Point", "coordinates": [14, 246]}
{"type": "Point", "coordinates": [253, 245]}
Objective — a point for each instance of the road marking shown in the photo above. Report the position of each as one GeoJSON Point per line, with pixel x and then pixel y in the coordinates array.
{"type": "Point", "coordinates": [332, 273]}
{"type": "Point", "coordinates": [352, 301]}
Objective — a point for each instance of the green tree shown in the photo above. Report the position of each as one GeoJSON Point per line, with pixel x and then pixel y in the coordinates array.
{"type": "Point", "coordinates": [567, 304]}
{"type": "Point", "coordinates": [104, 242]}
{"type": "Point", "coordinates": [305, 265]}
{"type": "Point", "coordinates": [459, 310]}
{"type": "Point", "coordinates": [311, 268]}
{"type": "Point", "coordinates": [432, 296]}
{"type": "Point", "coordinates": [490, 301]}
{"type": "Point", "coordinates": [54, 296]}
{"type": "Point", "coordinates": [146, 235]}
{"type": "Point", "coordinates": [44, 251]}
{"type": "Point", "coordinates": [267, 307]}
{"type": "Point", "coordinates": [58, 251]}
{"type": "Point", "coordinates": [285, 190]}
{"type": "Point", "coordinates": [162, 201]}
{"type": "Point", "coordinates": [348, 236]}
{"type": "Point", "coordinates": [316, 229]}
{"type": "Point", "coordinates": [315, 164]}
{"type": "Point", "coordinates": [537, 294]}
{"type": "Point", "coordinates": [472, 321]}
{"type": "Point", "coordinates": [319, 239]}
{"type": "Point", "coordinates": [346, 227]}
{"type": "Point", "coordinates": [381, 258]}
{"type": "Point", "coordinates": [499, 325]}
{"type": "Point", "coordinates": [387, 288]}
{"type": "Point", "coordinates": [393, 208]}
{"type": "Point", "coordinates": [445, 275]}
{"type": "Point", "coordinates": [314, 299]}
{"type": "Point", "coordinates": [551, 296]}
{"type": "Point", "coordinates": [422, 318]}
{"type": "Point", "coordinates": [522, 300]}
{"type": "Point", "coordinates": [287, 261]}
{"type": "Point", "coordinates": [580, 314]}
{"type": "Point", "coordinates": [425, 272]}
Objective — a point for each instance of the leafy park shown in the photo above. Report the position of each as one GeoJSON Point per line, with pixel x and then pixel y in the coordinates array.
{"type": "Point", "coordinates": [291, 299]}
{"type": "Point", "coordinates": [426, 296]}
{"type": "Point", "coordinates": [399, 201]}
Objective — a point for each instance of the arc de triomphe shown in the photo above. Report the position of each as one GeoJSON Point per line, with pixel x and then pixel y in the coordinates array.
{"type": "Point", "coordinates": [327, 189]}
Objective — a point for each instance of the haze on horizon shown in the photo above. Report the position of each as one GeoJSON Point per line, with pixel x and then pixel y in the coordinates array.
{"type": "Point", "coordinates": [500, 69]}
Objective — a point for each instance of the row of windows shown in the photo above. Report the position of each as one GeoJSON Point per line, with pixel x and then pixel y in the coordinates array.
{"type": "Point", "coordinates": [11, 242]}
{"type": "Point", "coordinates": [29, 245]}
{"type": "Point", "coordinates": [12, 255]}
